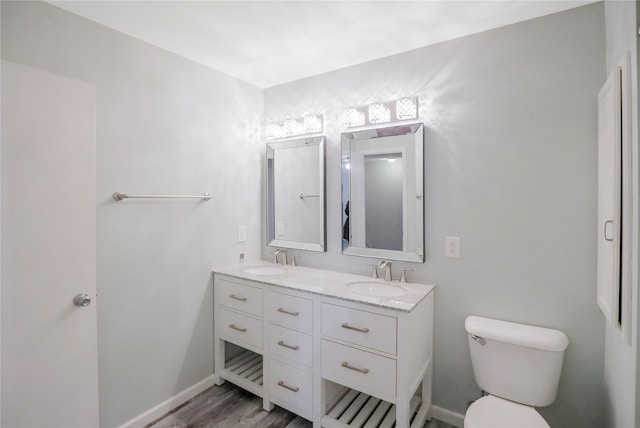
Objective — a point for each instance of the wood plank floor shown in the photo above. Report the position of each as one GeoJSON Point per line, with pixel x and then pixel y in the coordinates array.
{"type": "Point", "coordinates": [229, 406]}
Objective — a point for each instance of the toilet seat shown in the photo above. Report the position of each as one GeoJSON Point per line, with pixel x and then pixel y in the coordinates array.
{"type": "Point", "coordinates": [494, 412]}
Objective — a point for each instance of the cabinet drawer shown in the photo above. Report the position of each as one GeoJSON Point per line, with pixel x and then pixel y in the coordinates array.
{"type": "Point", "coordinates": [241, 327]}
{"type": "Point", "coordinates": [291, 344]}
{"type": "Point", "coordinates": [359, 327]}
{"type": "Point", "coordinates": [240, 297]}
{"type": "Point", "coordinates": [290, 311]}
{"type": "Point", "coordinates": [291, 385]}
{"type": "Point", "coordinates": [358, 369]}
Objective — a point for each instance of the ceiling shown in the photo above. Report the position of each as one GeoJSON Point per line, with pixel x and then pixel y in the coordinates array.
{"type": "Point", "coordinates": [268, 43]}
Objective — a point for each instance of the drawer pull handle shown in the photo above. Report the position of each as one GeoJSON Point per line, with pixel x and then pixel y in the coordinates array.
{"type": "Point", "coordinates": [233, 326]}
{"type": "Point", "coordinates": [347, 366]}
{"type": "Point", "coordinates": [290, 388]}
{"type": "Point", "coordinates": [294, 347]}
{"type": "Point", "coordinates": [284, 311]}
{"type": "Point", "coordinates": [361, 330]}
{"type": "Point", "coordinates": [234, 297]}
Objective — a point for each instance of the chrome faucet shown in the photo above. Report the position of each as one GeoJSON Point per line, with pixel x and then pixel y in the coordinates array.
{"type": "Point", "coordinates": [387, 269]}
{"type": "Point", "coordinates": [284, 255]}
{"type": "Point", "coordinates": [403, 277]}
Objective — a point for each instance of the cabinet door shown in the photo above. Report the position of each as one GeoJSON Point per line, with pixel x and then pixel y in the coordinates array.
{"type": "Point", "coordinates": [609, 195]}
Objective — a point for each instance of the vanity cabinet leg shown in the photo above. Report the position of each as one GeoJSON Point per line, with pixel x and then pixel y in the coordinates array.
{"type": "Point", "coordinates": [218, 380]}
{"type": "Point", "coordinates": [320, 404]}
{"type": "Point", "coordinates": [267, 405]}
{"type": "Point", "coordinates": [427, 391]}
{"type": "Point", "coordinates": [218, 361]}
{"type": "Point", "coordinates": [403, 415]}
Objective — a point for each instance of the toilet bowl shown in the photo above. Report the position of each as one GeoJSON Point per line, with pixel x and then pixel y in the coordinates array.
{"type": "Point", "coordinates": [495, 412]}
{"type": "Point", "coordinates": [518, 366]}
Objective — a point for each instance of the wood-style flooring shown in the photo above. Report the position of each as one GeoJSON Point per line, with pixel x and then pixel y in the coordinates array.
{"type": "Point", "coordinates": [229, 406]}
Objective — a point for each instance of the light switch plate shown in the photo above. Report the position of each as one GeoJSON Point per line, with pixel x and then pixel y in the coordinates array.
{"type": "Point", "coordinates": [279, 228]}
{"type": "Point", "coordinates": [242, 233]}
{"type": "Point", "coordinates": [452, 247]}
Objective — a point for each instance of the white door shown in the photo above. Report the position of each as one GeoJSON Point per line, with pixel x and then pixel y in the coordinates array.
{"type": "Point", "coordinates": [49, 345]}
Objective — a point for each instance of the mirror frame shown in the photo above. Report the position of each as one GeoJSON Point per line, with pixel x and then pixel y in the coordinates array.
{"type": "Point", "coordinates": [417, 129]}
{"type": "Point", "coordinates": [272, 147]}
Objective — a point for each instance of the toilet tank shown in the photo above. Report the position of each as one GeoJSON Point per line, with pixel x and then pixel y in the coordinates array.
{"type": "Point", "coordinates": [518, 362]}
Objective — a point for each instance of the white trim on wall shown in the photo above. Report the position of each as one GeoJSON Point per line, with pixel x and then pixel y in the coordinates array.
{"type": "Point", "coordinates": [166, 406]}
{"type": "Point", "coordinates": [448, 416]}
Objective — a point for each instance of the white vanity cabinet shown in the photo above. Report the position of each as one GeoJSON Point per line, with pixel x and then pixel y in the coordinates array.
{"type": "Point", "coordinates": [309, 345]}
{"type": "Point", "coordinates": [379, 353]}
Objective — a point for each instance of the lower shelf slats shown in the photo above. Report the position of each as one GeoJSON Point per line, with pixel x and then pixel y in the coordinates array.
{"type": "Point", "coordinates": [359, 410]}
{"type": "Point", "coordinates": [342, 405]}
{"type": "Point", "coordinates": [253, 373]}
{"type": "Point", "coordinates": [365, 414]}
{"type": "Point", "coordinates": [245, 368]}
{"type": "Point", "coordinates": [376, 418]}
{"type": "Point", "coordinates": [238, 360]}
{"type": "Point", "coordinates": [354, 409]}
{"type": "Point", "coordinates": [249, 367]}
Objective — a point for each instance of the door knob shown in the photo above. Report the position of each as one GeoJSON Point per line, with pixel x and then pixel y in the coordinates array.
{"type": "Point", "coordinates": [82, 299]}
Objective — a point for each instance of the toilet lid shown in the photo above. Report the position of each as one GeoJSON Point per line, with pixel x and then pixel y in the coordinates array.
{"type": "Point", "coordinates": [494, 412]}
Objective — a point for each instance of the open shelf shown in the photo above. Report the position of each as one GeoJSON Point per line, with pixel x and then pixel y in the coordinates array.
{"type": "Point", "coordinates": [358, 410]}
{"type": "Point", "coordinates": [245, 370]}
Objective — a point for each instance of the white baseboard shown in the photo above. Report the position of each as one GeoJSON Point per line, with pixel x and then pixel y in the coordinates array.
{"type": "Point", "coordinates": [448, 416]}
{"type": "Point", "coordinates": [168, 405]}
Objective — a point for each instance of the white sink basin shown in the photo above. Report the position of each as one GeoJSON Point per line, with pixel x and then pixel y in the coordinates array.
{"type": "Point", "coordinates": [372, 288]}
{"type": "Point", "coordinates": [265, 270]}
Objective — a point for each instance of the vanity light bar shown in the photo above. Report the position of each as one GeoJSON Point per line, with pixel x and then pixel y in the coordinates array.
{"type": "Point", "coordinates": [405, 108]}
{"type": "Point", "coordinates": [292, 127]}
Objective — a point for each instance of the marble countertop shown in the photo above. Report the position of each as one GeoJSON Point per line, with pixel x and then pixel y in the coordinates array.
{"type": "Point", "coordinates": [331, 283]}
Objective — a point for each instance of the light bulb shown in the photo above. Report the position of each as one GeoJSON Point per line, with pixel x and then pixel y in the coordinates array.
{"type": "Point", "coordinates": [274, 130]}
{"type": "Point", "coordinates": [351, 117]}
{"type": "Point", "coordinates": [312, 124]}
{"type": "Point", "coordinates": [379, 113]}
{"type": "Point", "coordinates": [405, 108]}
{"type": "Point", "coordinates": [293, 127]}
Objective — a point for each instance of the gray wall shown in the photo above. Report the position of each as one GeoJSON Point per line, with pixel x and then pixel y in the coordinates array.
{"type": "Point", "coordinates": [165, 125]}
{"type": "Point", "coordinates": [510, 162]}
{"type": "Point", "coordinates": [620, 358]}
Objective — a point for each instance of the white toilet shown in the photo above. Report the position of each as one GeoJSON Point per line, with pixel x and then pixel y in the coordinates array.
{"type": "Point", "coordinates": [518, 366]}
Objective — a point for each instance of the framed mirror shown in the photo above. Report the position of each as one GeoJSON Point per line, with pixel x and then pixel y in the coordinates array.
{"type": "Point", "coordinates": [382, 193]}
{"type": "Point", "coordinates": [296, 194]}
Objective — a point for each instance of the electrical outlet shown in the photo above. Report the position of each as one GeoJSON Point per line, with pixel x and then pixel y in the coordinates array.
{"type": "Point", "coordinates": [452, 247]}
{"type": "Point", "coordinates": [279, 228]}
{"type": "Point", "coordinates": [242, 233]}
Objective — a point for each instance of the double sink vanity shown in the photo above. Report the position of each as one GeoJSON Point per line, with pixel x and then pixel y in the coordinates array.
{"type": "Point", "coordinates": [338, 349]}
